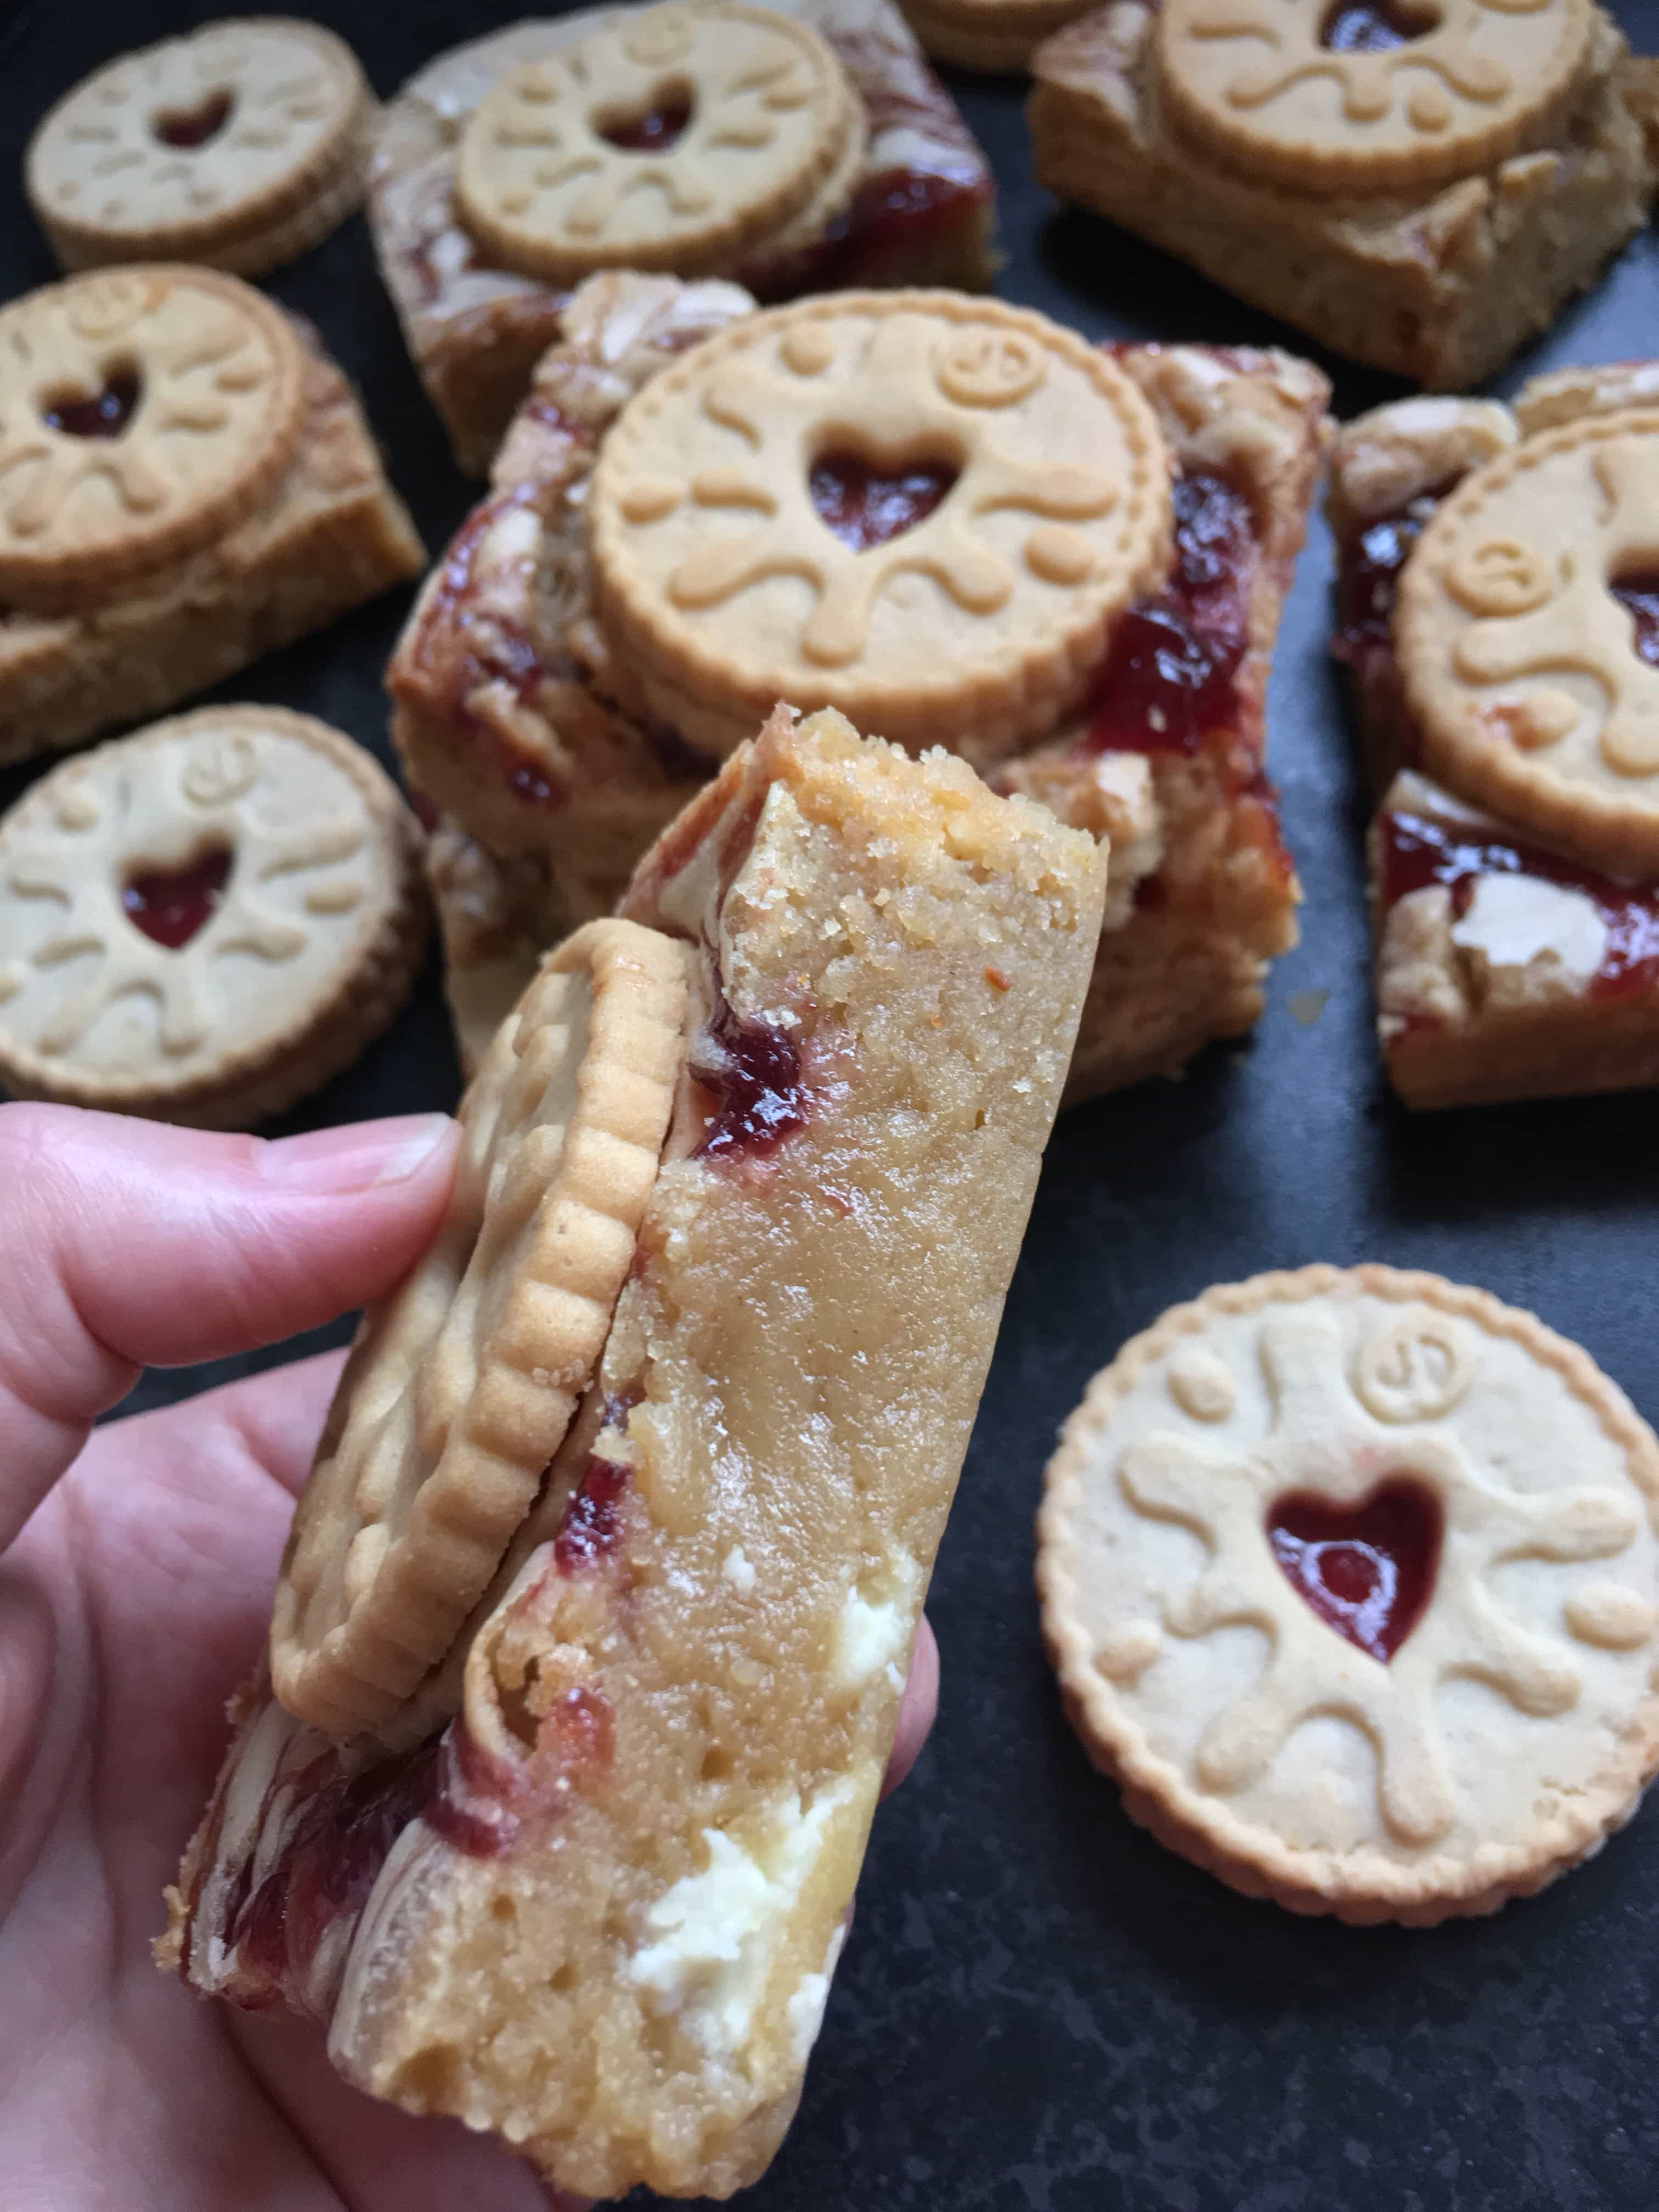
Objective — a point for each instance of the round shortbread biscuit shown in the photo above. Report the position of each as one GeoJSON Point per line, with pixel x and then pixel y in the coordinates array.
{"type": "Point", "coordinates": [679, 137]}
{"type": "Point", "coordinates": [206, 920]}
{"type": "Point", "coordinates": [919, 508]}
{"type": "Point", "coordinates": [462, 1382]}
{"type": "Point", "coordinates": [1521, 662]}
{"type": "Point", "coordinates": [142, 412]}
{"type": "Point", "coordinates": [1304, 94]}
{"type": "Point", "coordinates": [238, 145]}
{"type": "Point", "coordinates": [1351, 1580]}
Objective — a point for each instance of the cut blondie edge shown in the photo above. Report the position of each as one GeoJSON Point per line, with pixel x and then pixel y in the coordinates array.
{"type": "Point", "coordinates": [599, 1914]}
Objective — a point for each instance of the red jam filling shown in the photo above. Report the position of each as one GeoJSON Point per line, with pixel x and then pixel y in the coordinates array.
{"type": "Point", "coordinates": [491, 651]}
{"type": "Point", "coordinates": [865, 506]}
{"type": "Point", "coordinates": [1418, 852]}
{"type": "Point", "coordinates": [189, 127]}
{"type": "Point", "coordinates": [172, 904]}
{"type": "Point", "coordinates": [889, 216]}
{"type": "Point", "coordinates": [106, 415]}
{"type": "Point", "coordinates": [1639, 595]}
{"type": "Point", "coordinates": [754, 1073]}
{"type": "Point", "coordinates": [653, 132]}
{"type": "Point", "coordinates": [1368, 573]}
{"type": "Point", "coordinates": [592, 1520]}
{"type": "Point", "coordinates": [580, 1730]}
{"type": "Point", "coordinates": [1367, 1570]}
{"type": "Point", "coordinates": [1168, 678]}
{"type": "Point", "coordinates": [1373, 26]}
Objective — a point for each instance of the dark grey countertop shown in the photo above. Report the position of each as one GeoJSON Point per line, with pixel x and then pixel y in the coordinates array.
{"type": "Point", "coordinates": [1041, 2009]}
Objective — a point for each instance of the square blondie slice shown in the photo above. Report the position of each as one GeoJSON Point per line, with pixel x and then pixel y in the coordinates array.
{"type": "Point", "coordinates": [1504, 970]}
{"type": "Point", "coordinates": [1171, 764]}
{"type": "Point", "coordinates": [507, 694]}
{"type": "Point", "coordinates": [1432, 247]}
{"type": "Point", "coordinates": [1507, 965]}
{"type": "Point", "coordinates": [919, 208]}
{"type": "Point", "coordinates": [286, 522]}
{"type": "Point", "coordinates": [598, 1908]}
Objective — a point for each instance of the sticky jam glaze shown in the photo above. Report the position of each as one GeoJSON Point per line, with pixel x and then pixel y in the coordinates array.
{"type": "Point", "coordinates": [1167, 682]}
{"type": "Point", "coordinates": [171, 905]}
{"type": "Point", "coordinates": [1417, 852]}
{"type": "Point", "coordinates": [1368, 565]}
{"type": "Point", "coordinates": [889, 218]}
{"type": "Point", "coordinates": [1367, 1571]}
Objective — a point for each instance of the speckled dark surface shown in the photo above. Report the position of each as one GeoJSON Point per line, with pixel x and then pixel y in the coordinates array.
{"type": "Point", "coordinates": [1041, 2010]}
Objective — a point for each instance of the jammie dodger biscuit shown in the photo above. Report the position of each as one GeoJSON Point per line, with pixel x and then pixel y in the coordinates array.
{"type": "Point", "coordinates": [206, 920]}
{"type": "Point", "coordinates": [239, 145]}
{"type": "Point", "coordinates": [1351, 1580]}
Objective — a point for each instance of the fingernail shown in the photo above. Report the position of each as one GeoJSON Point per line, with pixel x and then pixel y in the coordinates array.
{"type": "Point", "coordinates": [361, 1156]}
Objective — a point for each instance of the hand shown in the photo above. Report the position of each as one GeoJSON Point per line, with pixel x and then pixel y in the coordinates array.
{"type": "Point", "coordinates": [136, 1571]}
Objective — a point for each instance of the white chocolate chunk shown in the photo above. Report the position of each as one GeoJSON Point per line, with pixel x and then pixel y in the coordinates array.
{"type": "Point", "coordinates": [718, 1931]}
{"type": "Point", "coordinates": [1514, 919]}
{"type": "Point", "coordinates": [812, 1995]}
{"type": "Point", "coordinates": [873, 1631]}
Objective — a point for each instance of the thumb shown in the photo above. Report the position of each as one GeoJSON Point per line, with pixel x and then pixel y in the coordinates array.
{"type": "Point", "coordinates": [128, 1244]}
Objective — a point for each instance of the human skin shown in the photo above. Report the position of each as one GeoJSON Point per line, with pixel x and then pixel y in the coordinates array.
{"type": "Point", "coordinates": [135, 1570]}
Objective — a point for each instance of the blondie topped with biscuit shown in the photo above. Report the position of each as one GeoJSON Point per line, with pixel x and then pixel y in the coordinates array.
{"type": "Point", "coordinates": [622, 1813]}
{"type": "Point", "coordinates": [874, 501]}
{"type": "Point", "coordinates": [187, 481]}
{"type": "Point", "coordinates": [1498, 612]}
{"type": "Point", "coordinates": [1422, 191]}
{"type": "Point", "coordinates": [792, 148]}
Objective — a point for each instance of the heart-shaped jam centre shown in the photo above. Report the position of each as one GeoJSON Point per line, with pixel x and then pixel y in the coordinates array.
{"type": "Point", "coordinates": [1366, 1570]}
{"type": "Point", "coordinates": [106, 415]}
{"type": "Point", "coordinates": [865, 506]}
{"type": "Point", "coordinates": [189, 127]}
{"type": "Point", "coordinates": [172, 904]}
{"type": "Point", "coordinates": [1374, 26]}
{"type": "Point", "coordinates": [653, 130]}
{"type": "Point", "coordinates": [1639, 595]}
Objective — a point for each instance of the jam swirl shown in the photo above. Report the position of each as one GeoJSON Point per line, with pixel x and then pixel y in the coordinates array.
{"type": "Point", "coordinates": [1168, 680]}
